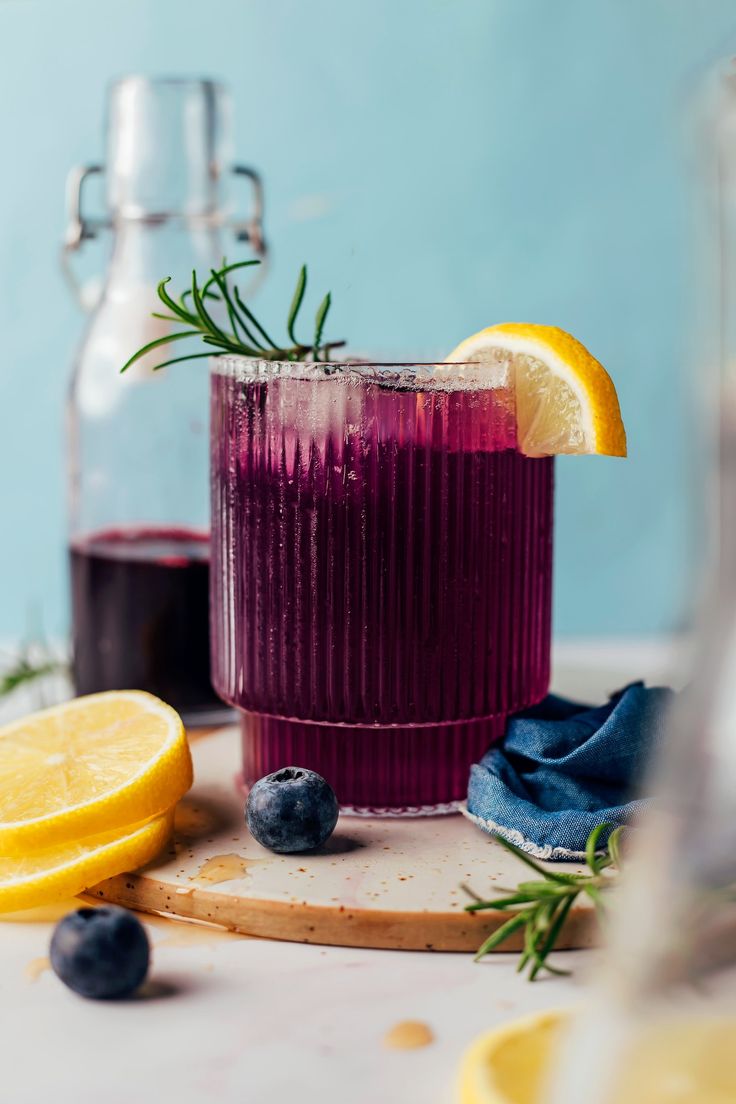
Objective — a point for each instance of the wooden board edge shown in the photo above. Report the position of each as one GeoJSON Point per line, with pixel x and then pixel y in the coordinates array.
{"type": "Point", "coordinates": [300, 922]}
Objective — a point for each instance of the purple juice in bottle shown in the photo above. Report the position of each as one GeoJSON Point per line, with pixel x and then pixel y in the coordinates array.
{"type": "Point", "coordinates": [381, 575]}
{"type": "Point", "coordinates": [140, 605]}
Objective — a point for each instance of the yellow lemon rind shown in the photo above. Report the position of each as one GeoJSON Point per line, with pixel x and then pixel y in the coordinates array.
{"type": "Point", "coordinates": [567, 358]}
{"type": "Point", "coordinates": [159, 783]}
{"type": "Point", "coordinates": [105, 857]}
{"type": "Point", "coordinates": [477, 1082]}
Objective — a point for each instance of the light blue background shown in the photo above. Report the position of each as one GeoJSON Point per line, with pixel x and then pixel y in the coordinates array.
{"type": "Point", "coordinates": [442, 164]}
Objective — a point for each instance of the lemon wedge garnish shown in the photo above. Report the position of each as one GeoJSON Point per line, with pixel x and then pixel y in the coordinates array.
{"type": "Point", "coordinates": [565, 400]}
{"type": "Point", "coordinates": [686, 1060]}
{"type": "Point", "coordinates": [510, 1064]}
{"type": "Point", "coordinates": [89, 766]}
{"type": "Point", "coordinates": [40, 877]}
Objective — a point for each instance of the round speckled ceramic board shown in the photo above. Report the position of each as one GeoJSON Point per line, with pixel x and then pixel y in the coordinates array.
{"type": "Point", "coordinates": [378, 883]}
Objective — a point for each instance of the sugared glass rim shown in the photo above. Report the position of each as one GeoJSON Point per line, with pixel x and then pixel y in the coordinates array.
{"type": "Point", "coordinates": [408, 373]}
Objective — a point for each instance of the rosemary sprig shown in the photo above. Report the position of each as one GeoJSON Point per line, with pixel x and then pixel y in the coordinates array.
{"type": "Point", "coordinates": [296, 302]}
{"type": "Point", "coordinates": [245, 335]}
{"type": "Point", "coordinates": [24, 670]}
{"type": "Point", "coordinates": [541, 907]}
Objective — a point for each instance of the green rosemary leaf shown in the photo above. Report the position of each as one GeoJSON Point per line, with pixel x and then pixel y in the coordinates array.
{"type": "Point", "coordinates": [252, 319]}
{"type": "Point", "coordinates": [205, 294]}
{"type": "Point", "coordinates": [319, 322]}
{"type": "Point", "coordinates": [594, 892]}
{"type": "Point", "coordinates": [156, 344]}
{"type": "Point", "coordinates": [543, 917]}
{"type": "Point", "coordinates": [236, 348]}
{"type": "Point", "coordinates": [541, 926]}
{"type": "Point", "coordinates": [329, 346]}
{"type": "Point", "coordinates": [544, 905]}
{"type": "Point", "coordinates": [552, 934]}
{"type": "Point", "coordinates": [614, 845]}
{"type": "Point", "coordinates": [228, 268]}
{"type": "Point", "coordinates": [178, 360]}
{"type": "Point", "coordinates": [591, 847]}
{"type": "Point", "coordinates": [224, 271]}
{"type": "Point", "coordinates": [249, 337]}
{"type": "Point", "coordinates": [236, 321]}
{"type": "Point", "coordinates": [221, 342]}
{"type": "Point", "coordinates": [551, 875]}
{"type": "Point", "coordinates": [207, 321]}
{"type": "Point", "coordinates": [556, 970]}
{"type": "Point", "coordinates": [523, 959]}
{"type": "Point", "coordinates": [500, 904]}
{"type": "Point", "coordinates": [502, 934]}
{"type": "Point", "coordinates": [543, 889]}
{"type": "Point", "coordinates": [175, 308]}
{"type": "Point", "coordinates": [529, 944]}
{"type": "Point", "coordinates": [296, 303]}
{"type": "Point", "coordinates": [23, 671]}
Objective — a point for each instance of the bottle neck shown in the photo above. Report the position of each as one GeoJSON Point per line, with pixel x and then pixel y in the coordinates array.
{"type": "Point", "coordinates": [146, 251]}
{"type": "Point", "coordinates": [168, 142]}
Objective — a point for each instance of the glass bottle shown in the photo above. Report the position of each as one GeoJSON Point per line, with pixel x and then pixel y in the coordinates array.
{"type": "Point", "coordinates": [660, 1023]}
{"type": "Point", "coordinates": [138, 442]}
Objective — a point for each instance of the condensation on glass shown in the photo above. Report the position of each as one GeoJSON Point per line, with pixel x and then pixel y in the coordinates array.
{"type": "Point", "coordinates": [381, 577]}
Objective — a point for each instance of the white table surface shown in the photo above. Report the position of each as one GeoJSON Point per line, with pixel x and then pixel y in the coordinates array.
{"type": "Point", "coordinates": [238, 1020]}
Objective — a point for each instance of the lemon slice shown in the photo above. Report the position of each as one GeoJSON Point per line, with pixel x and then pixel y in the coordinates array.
{"type": "Point", "coordinates": [510, 1064]}
{"type": "Point", "coordinates": [565, 400]}
{"type": "Point", "coordinates": [683, 1061]}
{"type": "Point", "coordinates": [41, 877]}
{"type": "Point", "coordinates": [675, 1061]}
{"type": "Point", "coordinates": [91, 765]}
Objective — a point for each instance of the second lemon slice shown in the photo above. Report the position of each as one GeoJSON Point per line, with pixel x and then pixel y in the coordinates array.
{"type": "Point", "coordinates": [52, 874]}
{"type": "Point", "coordinates": [95, 764]}
{"type": "Point", "coordinates": [565, 400]}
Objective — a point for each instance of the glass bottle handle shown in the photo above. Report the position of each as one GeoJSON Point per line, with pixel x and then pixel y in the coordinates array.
{"type": "Point", "coordinates": [251, 230]}
{"type": "Point", "coordinates": [81, 228]}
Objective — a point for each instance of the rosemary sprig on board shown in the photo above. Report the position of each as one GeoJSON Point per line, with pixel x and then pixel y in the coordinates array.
{"type": "Point", "coordinates": [540, 907]}
{"type": "Point", "coordinates": [242, 334]}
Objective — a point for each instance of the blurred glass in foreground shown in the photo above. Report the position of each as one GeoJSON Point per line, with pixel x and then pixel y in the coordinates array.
{"type": "Point", "coordinates": [661, 1025]}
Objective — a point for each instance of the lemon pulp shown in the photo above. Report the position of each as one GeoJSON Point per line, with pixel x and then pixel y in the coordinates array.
{"type": "Point", "coordinates": [677, 1062]}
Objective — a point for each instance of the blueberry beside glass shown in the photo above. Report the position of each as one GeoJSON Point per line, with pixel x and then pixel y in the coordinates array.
{"type": "Point", "coordinates": [291, 810]}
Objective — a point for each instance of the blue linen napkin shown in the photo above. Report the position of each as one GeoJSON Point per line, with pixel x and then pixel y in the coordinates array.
{"type": "Point", "coordinates": [563, 767]}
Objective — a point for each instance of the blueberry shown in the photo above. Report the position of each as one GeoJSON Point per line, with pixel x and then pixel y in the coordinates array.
{"type": "Point", "coordinates": [101, 953]}
{"type": "Point", "coordinates": [291, 810]}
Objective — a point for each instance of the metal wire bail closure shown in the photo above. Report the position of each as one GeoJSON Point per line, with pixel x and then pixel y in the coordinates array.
{"type": "Point", "coordinates": [81, 228]}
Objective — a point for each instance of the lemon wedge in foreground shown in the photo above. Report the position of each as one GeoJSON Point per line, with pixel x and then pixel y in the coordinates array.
{"type": "Point", "coordinates": [41, 877]}
{"type": "Point", "coordinates": [686, 1060]}
{"type": "Point", "coordinates": [92, 765]}
{"type": "Point", "coordinates": [510, 1064]}
{"type": "Point", "coordinates": [565, 400]}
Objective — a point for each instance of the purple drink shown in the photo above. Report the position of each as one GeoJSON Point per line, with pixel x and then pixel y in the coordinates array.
{"type": "Point", "coordinates": [140, 604]}
{"type": "Point", "coordinates": [381, 581]}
